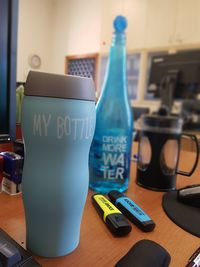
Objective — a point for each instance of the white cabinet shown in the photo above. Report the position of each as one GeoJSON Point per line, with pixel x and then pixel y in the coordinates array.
{"type": "Point", "coordinates": [109, 11]}
{"type": "Point", "coordinates": [161, 17]}
{"type": "Point", "coordinates": [136, 12]}
{"type": "Point", "coordinates": [172, 23]}
{"type": "Point", "coordinates": [153, 23]}
{"type": "Point", "coordinates": [187, 28]}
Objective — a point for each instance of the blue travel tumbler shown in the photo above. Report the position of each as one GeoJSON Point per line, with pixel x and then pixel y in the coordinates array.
{"type": "Point", "coordinates": [58, 121]}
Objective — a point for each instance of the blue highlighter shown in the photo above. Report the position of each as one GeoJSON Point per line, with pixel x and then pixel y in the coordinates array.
{"type": "Point", "coordinates": [132, 211]}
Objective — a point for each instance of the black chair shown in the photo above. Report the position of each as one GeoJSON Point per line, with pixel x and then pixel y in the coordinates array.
{"type": "Point", "coordinates": [191, 114]}
{"type": "Point", "coordinates": [137, 113]}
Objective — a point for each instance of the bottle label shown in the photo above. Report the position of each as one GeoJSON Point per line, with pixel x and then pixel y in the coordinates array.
{"type": "Point", "coordinates": [114, 149]}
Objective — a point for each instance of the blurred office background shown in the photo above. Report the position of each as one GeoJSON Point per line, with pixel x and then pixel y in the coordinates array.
{"type": "Point", "coordinates": [73, 36]}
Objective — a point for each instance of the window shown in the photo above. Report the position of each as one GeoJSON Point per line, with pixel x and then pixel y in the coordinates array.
{"type": "Point", "coordinates": [133, 71]}
{"type": "Point", "coordinates": [82, 65]}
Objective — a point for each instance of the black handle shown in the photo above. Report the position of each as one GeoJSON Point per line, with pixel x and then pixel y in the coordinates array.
{"type": "Point", "coordinates": [193, 137]}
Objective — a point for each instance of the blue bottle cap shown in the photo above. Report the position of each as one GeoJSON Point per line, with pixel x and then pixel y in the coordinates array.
{"type": "Point", "coordinates": [120, 24]}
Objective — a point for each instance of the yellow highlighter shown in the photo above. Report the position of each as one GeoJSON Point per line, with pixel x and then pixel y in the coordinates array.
{"type": "Point", "coordinates": [113, 218]}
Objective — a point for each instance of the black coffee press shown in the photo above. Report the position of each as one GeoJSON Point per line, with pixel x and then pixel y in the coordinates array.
{"type": "Point", "coordinates": [159, 149]}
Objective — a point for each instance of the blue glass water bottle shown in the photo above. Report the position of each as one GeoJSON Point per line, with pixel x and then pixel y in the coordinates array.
{"type": "Point", "coordinates": [110, 152]}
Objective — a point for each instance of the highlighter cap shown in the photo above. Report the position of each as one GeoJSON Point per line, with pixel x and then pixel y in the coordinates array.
{"type": "Point", "coordinates": [118, 224]}
{"type": "Point", "coordinates": [114, 195]}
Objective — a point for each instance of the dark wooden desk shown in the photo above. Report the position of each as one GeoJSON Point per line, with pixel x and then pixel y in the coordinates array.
{"type": "Point", "coordinates": [98, 248]}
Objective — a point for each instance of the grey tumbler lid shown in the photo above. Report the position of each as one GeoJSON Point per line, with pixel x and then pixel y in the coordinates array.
{"type": "Point", "coordinates": [59, 86]}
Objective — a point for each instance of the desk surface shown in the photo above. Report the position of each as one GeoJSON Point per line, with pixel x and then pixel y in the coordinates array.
{"type": "Point", "coordinates": [97, 245]}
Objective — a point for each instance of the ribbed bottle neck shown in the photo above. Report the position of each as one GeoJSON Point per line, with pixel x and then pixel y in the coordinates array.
{"type": "Point", "coordinates": [118, 39]}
